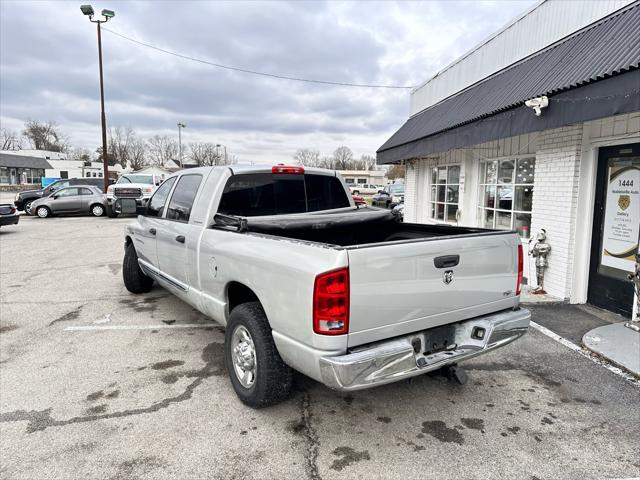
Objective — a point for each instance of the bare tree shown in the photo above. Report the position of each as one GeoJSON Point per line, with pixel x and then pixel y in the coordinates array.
{"type": "Point", "coordinates": [10, 140]}
{"type": "Point", "coordinates": [119, 144]}
{"type": "Point", "coordinates": [79, 154]}
{"type": "Point", "coordinates": [137, 153]}
{"type": "Point", "coordinates": [205, 154]}
{"type": "Point", "coordinates": [343, 158]}
{"type": "Point", "coordinates": [396, 171]}
{"type": "Point", "coordinates": [162, 149]}
{"type": "Point", "coordinates": [367, 162]}
{"type": "Point", "coordinates": [45, 136]}
{"type": "Point", "coordinates": [307, 157]}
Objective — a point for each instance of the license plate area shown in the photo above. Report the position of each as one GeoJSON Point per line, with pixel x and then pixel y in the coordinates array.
{"type": "Point", "coordinates": [127, 205]}
{"type": "Point", "coordinates": [439, 339]}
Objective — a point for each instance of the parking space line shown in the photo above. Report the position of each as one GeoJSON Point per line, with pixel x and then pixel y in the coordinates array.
{"type": "Point", "coordinates": [591, 356]}
{"type": "Point", "coordinates": [82, 328]}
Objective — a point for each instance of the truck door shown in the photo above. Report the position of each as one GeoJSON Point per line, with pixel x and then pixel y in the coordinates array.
{"type": "Point", "coordinates": [152, 222]}
{"type": "Point", "coordinates": [177, 235]}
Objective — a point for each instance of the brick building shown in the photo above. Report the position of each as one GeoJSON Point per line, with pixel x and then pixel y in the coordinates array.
{"type": "Point", "coordinates": [569, 162]}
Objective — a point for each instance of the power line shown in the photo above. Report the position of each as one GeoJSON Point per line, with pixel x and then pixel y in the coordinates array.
{"type": "Point", "coordinates": [254, 72]}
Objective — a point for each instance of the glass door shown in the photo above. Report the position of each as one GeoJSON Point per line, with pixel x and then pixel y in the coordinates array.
{"type": "Point", "coordinates": [616, 225]}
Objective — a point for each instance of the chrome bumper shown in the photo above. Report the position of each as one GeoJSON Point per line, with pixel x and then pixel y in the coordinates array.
{"type": "Point", "coordinates": [396, 360]}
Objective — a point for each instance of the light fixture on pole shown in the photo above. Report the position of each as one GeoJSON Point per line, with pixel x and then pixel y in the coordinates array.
{"type": "Point", "coordinates": [107, 15]}
{"type": "Point", "coordinates": [180, 127]}
{"type": "Point", "coordinates": [225, 152]}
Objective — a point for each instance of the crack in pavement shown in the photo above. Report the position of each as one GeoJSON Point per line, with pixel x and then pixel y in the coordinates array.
{"type": "Point", "coordinates": [311, 438]}
{"type": "Point", "coordinates": [40, 420]}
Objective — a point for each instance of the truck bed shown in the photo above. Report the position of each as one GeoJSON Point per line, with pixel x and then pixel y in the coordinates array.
{"type": "Point", "coordinates": [353, 228]}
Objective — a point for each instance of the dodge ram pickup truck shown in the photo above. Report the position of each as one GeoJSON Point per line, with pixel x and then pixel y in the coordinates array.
{"type": "Point", "coordinates": [303, 279]}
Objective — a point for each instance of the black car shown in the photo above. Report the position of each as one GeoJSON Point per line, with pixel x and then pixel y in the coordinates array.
{"type": "Point", "coordinates": [392, 195]}
{"type": "Point", "coordinates": [8, 215]}
{"type": "Point", "coordinates": [24, 199]}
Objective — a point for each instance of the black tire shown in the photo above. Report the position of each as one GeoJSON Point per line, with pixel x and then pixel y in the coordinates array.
{"type": "Point", "coordinates": [111, 213]}
{"type": "Point", "coordinates": [26, 207]}
{"type": "Point", "coordinates": [388, 204]}
{"type": "Point", "coordinates": [273, 378]}
{"type": "Point", "coordinates": [95, 211]}
{"type": "Point", "coordinates": [134, 279]}
{"type": "Point", "coordinates": [43, 212]}
{"type": "Point", "coordinates": [356, 192]}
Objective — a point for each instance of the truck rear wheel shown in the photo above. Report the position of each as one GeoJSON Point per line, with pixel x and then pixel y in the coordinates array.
{"type": "Point", "coordinates": [134, 279]}
{"type": "Point", "coordinates": [259, 376]}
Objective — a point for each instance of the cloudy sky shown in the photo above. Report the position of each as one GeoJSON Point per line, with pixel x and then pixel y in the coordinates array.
{"type": "Point", "coordinates": [49, 68]}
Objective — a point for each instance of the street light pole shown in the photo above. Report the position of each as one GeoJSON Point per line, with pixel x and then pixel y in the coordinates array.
{"type": "Point", "coordinates": [180, 127]}
{"type": "Point", "coordinates": [107, 14]}
{"type": "Point", "coordinates": [225, 152]}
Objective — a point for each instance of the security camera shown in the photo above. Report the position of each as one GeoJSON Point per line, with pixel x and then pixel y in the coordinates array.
{"type": "Point", "coordinates": [538, 104]}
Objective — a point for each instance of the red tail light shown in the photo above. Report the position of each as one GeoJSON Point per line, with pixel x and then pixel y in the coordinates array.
{"type": "Point", "coordinates": [331, 303]}
{"type": "Point", "coordinates": [12, 210]}
{"type": "Point", "coordinates": [520, 262]}
{"type": "Point", "coordinates": [287, 169]}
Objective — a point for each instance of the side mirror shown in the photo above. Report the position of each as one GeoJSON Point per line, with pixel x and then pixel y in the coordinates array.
{"type": "Point", "coordinates": [55, 197]}
{"type": "Point", "coordinates": [380, 191]}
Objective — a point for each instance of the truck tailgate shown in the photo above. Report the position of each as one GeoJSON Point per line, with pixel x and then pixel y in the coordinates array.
{"type": "Point", "coordinates": [396, 288]}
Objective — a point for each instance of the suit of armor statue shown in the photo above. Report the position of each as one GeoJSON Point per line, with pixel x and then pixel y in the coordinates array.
{"type": "Point", "coordinates": [540, 251]}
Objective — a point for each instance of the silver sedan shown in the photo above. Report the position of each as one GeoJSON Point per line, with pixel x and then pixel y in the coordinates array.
{"type": "Point", "coordinates": [71, 200]}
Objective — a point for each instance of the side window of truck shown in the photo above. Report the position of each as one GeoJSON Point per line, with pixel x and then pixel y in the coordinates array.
{"type": "Point", "coordinates": [159, 199]}
{"type": "Point", "coordinates": [183, 197]}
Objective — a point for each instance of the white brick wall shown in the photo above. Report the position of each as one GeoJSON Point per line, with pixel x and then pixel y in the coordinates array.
{"type": "Point", "coordinates": [410, 193]}
{"type": "Point", "coordinates": [555, 197]}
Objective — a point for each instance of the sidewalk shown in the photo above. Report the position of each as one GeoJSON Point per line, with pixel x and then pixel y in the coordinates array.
{"type": "Point", "coordinates": [599, 331]}
{"type": "Point", "coordinates": [617, 343]}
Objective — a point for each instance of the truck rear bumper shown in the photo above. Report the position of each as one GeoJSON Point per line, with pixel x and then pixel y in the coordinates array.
{"type": "Point", "coordinates": [397, 359]}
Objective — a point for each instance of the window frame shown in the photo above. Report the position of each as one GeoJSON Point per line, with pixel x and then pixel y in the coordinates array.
{"type": "Point", "coordinates": [166, 201]}
{"type": "Point", "coordinates": [172, 193]}
{"type": "Point", "coordinates": [480, 199]}
{"type": "Point", "coordinates": [432, 203]}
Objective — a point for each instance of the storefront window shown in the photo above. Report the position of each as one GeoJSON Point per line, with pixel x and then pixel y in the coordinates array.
{"type": "Point", "coordinates": [445, 192]}
{"type": "Point", "coordinates": [506, 193]}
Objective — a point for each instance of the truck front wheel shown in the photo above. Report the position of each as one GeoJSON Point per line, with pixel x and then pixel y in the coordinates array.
{"type": "Point", "coordinates": [111, 213]}
{"type": "Point", "coordinates": [258, 374]}
{"type": "Point", "coordinates": [134, 279]}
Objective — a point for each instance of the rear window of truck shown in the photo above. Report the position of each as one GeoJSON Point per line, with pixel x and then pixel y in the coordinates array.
{"type": "Point", "coordinates": [257, 194]}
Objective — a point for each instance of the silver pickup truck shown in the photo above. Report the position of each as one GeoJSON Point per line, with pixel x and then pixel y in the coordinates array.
{"type": "Point", "coordinates": [303, 279]}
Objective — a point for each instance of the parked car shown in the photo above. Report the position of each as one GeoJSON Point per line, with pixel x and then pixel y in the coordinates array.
{"type": "Point", "coordinates": [358, 200]}
{"type": "Point", "coordinates": [364, 189]}
{"type": "Point", "coordinates": [8, 215]}
{"type": "Point", "coordinates": [133, 188]}
{"type": "Point", "coordinates": [304, 280]}
{"type": "Point", "coordinates": [24, 200]}
{"type": "Point", "coordinates": [390, 196]}
{"type": "Point", "coordinates": [81, 199]}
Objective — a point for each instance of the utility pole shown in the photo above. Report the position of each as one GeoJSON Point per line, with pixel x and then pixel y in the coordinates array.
{"type": "Point", "coordinates": [107, 14]}
{"type": "Point", "coordinates": [180, 127]}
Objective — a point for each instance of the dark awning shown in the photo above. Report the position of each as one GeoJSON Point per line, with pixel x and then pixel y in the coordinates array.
{"type": "Point", "coordinates": [22, 161]}
{"type": "Point", "coordinates": [590, 74]}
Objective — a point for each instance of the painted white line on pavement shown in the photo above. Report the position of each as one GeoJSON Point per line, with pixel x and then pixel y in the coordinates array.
{"type": "Point", "coordinates": [82, 328]}
{"type": "Point", "coordinates": [586, 353]}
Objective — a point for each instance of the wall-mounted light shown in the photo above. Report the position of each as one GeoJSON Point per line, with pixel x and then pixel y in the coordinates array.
{"type": "Point", "coordinates": [538, 104]}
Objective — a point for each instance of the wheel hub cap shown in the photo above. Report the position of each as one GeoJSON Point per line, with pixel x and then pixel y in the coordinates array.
{"type": "Point", "coordinates": [243, 356]}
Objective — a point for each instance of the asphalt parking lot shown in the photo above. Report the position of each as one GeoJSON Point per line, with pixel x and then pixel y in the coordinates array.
{"type": "Point", "coordinates": [98, 383]}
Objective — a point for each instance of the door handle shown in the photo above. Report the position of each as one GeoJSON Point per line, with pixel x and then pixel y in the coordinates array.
{"type": "Point", "coordinates": [152, 231]}
{"type": "Point", "coordinates": [180, 238]}
{"type": "Point", "coordinates": [446, 261]}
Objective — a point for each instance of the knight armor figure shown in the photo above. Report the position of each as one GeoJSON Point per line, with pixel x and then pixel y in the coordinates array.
{"type": "Point", "coordinates": [540, 251]}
